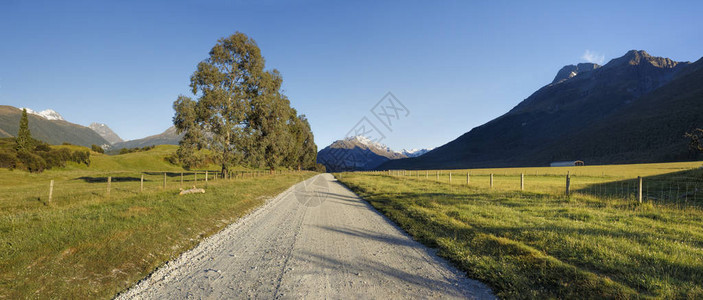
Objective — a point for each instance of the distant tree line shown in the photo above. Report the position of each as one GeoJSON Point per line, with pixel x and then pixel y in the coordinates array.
{"type": "Point", "coordinates": [26, 153]}
{"type": "Point", "coordinates": [137, 149]}
{"type": "Point", "coordinates": [241, 116]}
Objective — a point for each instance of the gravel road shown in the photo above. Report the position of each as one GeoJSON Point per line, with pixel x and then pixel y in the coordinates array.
{"type": "Point", "coordinates": [316, 240]}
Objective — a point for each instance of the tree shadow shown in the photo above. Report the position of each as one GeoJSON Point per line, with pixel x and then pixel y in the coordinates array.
{"type": "Point", "coordinates": [99, 179]}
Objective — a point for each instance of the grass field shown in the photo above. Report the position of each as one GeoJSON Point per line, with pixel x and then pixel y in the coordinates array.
{"type": "Point", "coordinates": [84, 244]}
{"type": "Point", "coordinates": [539, 243]}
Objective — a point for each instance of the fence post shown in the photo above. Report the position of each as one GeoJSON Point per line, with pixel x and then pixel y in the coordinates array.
{"type": "Point", "coordinates": [141, 184]}
{"type": "Point", "coordinates": [109, 181]}
{"type": "Point", "coordinates": [568, 183]}
{"type": "Point", "coordinates": [450, 177]}
{"type": "Point", "coordinates": [491, 180]}
{"type": "Point", "coordinates": [437, 175]}
{"type": "Point", "coordinates": [522, 181]}
{"type": "Point", "coordinates": [468, 178]}
{"type": "Point", "coordinates": [164, 180]}
{"type": "Point", "coordinates": [206, 177]}
{"type": "Point", "coordinates": [51, 190]}
{"type": "Point", "coordinates": [639, 189]}
{"type": "Point", "coordinates": [181, 179]}
{"type": "Point", "coordinates": [427, 174]}
{"type": "Point", "coordinates": [195, 176]}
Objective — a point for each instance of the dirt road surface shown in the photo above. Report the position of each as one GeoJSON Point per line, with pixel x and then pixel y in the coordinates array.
{"type": "Point", "coordinates": [317, 240]}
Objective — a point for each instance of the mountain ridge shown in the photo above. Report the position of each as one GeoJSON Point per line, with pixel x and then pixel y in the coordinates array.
{"type": "Point", "coordinates": [541, 128]}
{"type": "Point", "coordinates": [360, 153]}
{"type": "Point", "coordinates": [53, 131]}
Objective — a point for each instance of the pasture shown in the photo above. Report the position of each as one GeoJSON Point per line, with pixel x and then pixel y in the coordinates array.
{"type": "Point", "coordinates": [541, 243]}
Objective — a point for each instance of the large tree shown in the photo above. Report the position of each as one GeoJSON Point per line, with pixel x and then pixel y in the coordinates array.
{"type": "Point", "coordinates": [302, 151]}
{"type": "Point", "coordinates": [240, 113]}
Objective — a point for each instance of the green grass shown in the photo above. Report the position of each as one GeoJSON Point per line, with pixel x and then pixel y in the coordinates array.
{"type": "Point", "coordinates": [84, 244]}
{"type": "Point", "coordinates": [543, 244]}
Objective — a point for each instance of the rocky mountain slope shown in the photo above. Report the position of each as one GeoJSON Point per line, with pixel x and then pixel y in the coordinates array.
{"type": "Point", "coordinates": [168, 137]}
{"type": "Point", "coordinates": [48, 126]}
{"type": "Point", "coordinates": [104, 131]}
{"type": "Point", "coordinates": [635, 108]}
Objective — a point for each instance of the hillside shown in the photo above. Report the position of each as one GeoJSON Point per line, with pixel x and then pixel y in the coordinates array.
{"type": "Point", "coordinates": [168, 137]}
{"type": "Point", "coordinates": [53, 131]}
{"type": "Point", "coordinates": [635, 108]}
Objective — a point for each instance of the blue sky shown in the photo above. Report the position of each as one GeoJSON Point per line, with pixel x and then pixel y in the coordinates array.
{"type": "Point", "coordinates": [454, 64]}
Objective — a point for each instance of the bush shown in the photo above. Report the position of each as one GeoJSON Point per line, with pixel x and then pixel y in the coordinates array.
{"type": "Point", "coordinates": [32, 162]}
{"type": "Point", "coordinates": [8, 160]}
{"type": "Point", "coordinates": [97, 148]}
{"type": "Point", "coordinates": [320, 168]}
{"type": "Point", "coordinates": [42, 147]}
{"type": "Point", "coordinates": [81, 157]}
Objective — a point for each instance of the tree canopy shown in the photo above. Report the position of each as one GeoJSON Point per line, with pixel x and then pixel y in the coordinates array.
{"type": "Point", "coordinates": [240, 113]}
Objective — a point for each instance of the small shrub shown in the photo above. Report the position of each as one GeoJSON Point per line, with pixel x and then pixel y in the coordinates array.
{"type": "Point", "coordinates": [97, 148]}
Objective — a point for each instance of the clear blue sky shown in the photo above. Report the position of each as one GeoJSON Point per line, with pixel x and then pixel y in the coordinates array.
{"type": "Point", "coordinates": [454, 64]}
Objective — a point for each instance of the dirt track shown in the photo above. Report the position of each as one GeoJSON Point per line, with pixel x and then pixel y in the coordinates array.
{"type": "Point", "coordinates": [316, 240]}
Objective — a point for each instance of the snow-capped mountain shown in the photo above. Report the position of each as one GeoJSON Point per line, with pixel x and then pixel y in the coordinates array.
{"type": "Point", "coordinates": [48, 114]}
{"type": "Point", "coordinates": [360, 153]}
{"type": "Point", "coordinates": [415, 152]}
{"type": "Point", "coordinates": [48, 126]}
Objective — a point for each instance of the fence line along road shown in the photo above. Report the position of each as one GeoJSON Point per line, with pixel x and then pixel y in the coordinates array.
{"type": "Point", "coordinates": [108, 183]}
{"type": "Point", "coordinates": [681, 193]}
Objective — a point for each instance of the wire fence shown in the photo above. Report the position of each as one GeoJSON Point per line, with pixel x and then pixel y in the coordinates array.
{"type": "Point", "coordinates": [98, 186]}
{"type": "Point", "coordinates": [681, 189]}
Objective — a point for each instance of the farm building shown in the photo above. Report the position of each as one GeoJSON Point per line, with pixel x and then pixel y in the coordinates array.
{"type": "Point", "coordinates": [570, 163]}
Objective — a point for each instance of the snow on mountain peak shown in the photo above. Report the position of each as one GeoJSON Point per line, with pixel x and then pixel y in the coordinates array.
{"type": "Point", "coordinates": [369, 143]}
{"type": "Point", "coordinates": [415, 152]}
{"type": "Point", "coordinates": [48, 114]}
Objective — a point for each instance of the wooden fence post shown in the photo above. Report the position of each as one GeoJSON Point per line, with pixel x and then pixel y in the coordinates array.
{"type": "Point", "coordinates": [491, 180]}
{"type": "Point", "coordinates": [141, 184]}
{"type": "Point", "coordinates": [427, 174]}
{"type": "Point", "coordinates": [205, 176]}
{"type": "Point", "coordinates": [468, 178]}
{"type": "Point", "coordinates": [51, 190]}
{"type": "Point", "coordinates": [181, 179]}
{"type": "Point", "coordinates": [639, 189]}
{"type": "Point", "coordinates": [522, 181]}
{"type": "Point", "coordinates": [195, 176]}
{"type": "Point", "coordinates": [450, 177]}
{"type": "Point", "coordinates": [109, 181]}
{"type": "Point", "coordinates": [568, 183]}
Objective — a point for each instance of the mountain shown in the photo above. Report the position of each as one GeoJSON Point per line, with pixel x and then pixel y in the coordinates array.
{"type": "Point", "coordinates": [415, 152]}
{"type": "Point", "coordinates": [105, 132]}
{"type": "Point", "coordinates": [355, 153]}
{"type": "Point", "coordinates": [570, 71]}
{"type": "Point", "coordinates": [47, 126]}
{"type": "Point", "coordinates": [635, 108]}
{"type": "Point", "coordinates": [168, 137]}
{"type": "Point", "coordinates": [360, 153]}
{"type": "Point", "coordinates": [48, 114]}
